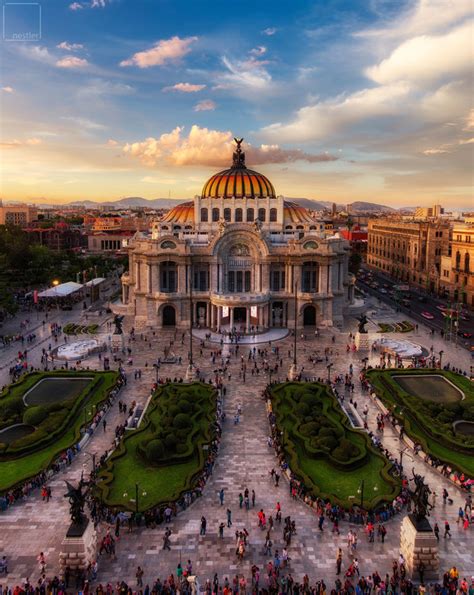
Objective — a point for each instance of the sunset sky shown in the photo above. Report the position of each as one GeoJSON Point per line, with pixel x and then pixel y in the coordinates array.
{"type": "Point", "coordinates": [337, 100]}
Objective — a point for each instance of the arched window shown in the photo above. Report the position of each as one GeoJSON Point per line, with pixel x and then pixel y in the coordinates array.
{"type": "Point", "coordinates": [227, 214]}
{"type": "Point", "coordinates": [215, 214]}
{"type": "Point", "coordinates": [204, 215]}
{"type": "Point", "coordinates": [238, 215]}
{"type": "Point", "coordinates": [168, 277]}
{"type": "Point", "coordinates": [250, 214]}
{"type": "Point", "coordinates": [458, 260]}
{"type": "Point", "coordinates": [289, 227]}
{"type": "Point", "coordinates": [273, 214]}
{"type": "Point", "coordinates": [261, 214]}
{"type": "Point", "coordinates": [310, 277]}
{"type": "Point", "coordinates": [466, 262]}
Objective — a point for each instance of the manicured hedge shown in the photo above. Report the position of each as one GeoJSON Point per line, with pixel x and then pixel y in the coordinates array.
{"type": "Point", "coordinates": [166, 453]}
{"type": "Point", "coordinates": [431, 424]}
{"type": "Point", "coordinates": [323, 449]}
{"type": "Point", "coordinates": [59, 430]}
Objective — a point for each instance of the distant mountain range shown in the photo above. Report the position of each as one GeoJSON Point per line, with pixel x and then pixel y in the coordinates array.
{"type": "Point", "coordinates": [168, 203]}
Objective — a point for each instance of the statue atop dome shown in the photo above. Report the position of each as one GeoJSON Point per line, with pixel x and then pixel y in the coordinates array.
{"type": "Point", "coordinates": [238, 157]}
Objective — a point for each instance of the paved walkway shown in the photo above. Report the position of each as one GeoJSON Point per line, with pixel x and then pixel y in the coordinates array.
{"type": "Point", "coordinates": [244, 461]}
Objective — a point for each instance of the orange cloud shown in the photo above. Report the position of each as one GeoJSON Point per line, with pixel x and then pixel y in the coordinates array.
{"type": "Point", "coordinates": [166, 50]}
{"type": "Point", "coordinates": [72, 62]}
{"type": "Point", "coordinates": [203, 146]}
{"type": "Point", "coordinates": [185, 88]}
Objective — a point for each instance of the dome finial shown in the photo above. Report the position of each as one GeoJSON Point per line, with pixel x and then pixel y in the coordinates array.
{"type": "Point", "coordinates": [238, 157]}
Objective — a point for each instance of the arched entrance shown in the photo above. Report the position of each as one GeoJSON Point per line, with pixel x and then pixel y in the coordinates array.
{"type": "Point", "coordinates": [168, 316]}
{"type": "Point", "coordinates": [240, 315]}
{"type": "Point", "coordinates": [309, 316]}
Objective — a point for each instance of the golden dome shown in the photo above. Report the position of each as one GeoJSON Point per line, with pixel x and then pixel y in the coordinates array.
{"type": "Point", "coordinates": [182, 213]}
{"type": "Point", "coordinates": [238, 181]}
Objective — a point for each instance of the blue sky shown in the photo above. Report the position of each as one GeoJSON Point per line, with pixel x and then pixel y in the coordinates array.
{"type": "Point", "coordinates": [337, 100]}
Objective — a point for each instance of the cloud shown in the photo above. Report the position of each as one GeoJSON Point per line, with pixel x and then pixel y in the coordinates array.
{"type": "Point", "coordinates": [70, 47]}
{"type": "Point", "coordinates": [164, 51]}
{"type": "Point", "coordinates": [8, 89]}
{"type": "Point", "coordinates": [31, 142]}
{"type": "Point", "coordinates": [438, 151]}
{"type": "Point", "coordinates": [467, 141]}
{"type": "Point", "coordinates": [185, 88]}
{"type": "Point", "coordinates": [427, 58]}
{"type": "Point", "coordinates": [269, 31]}
{"type": "Point", "coordinates": [333, 115]}
{"type": "Point", "coordinates": [205, 106]}
{"type": "Point", "coordinates": [36, 53]}
{"type": "Point", "coordinates": [72, 62]}
{"type": "Point", "coordinates": [470, 121]}
{"type": "Point", "coordinates": [258, 51]}
{"type": "Point", "coordinates": [155, 180]}
{"type": "Point", "coordinates": [83, 123]}
{"type": "Point", "coordinates": [112, 143]}
{"type": "Point", "coordinates": [246, 74]}
{"type": "Point", "coordinates": [97, 87]}
{"type": "Point", "coordinates": [76, 6]}
{"type": "Point", "coordinates": [203, 146]}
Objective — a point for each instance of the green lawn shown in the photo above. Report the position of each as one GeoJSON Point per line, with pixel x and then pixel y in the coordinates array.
{"type": "Point", "coordinates": [15, 470]}
{"type": "Point", "coordinates": [331, 458]}
{"type": "Point", "coordinates": [163, 480]}
{"type": "Point", "coordinates": [427, 421]}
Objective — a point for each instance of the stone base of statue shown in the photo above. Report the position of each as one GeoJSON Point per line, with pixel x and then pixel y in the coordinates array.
{"type": "Point", "coordinates": [418, 544]}
{"type": "Point", "coordinates": [293, 372]}
{"type": "Point", "coordinates": [117, 342]}
{"type": "Point", "coordinates": [362, 342]}
{"type": "Point", "coordinates": [191, 373]}
{"type": "Point", "coordinates": [79, 547]}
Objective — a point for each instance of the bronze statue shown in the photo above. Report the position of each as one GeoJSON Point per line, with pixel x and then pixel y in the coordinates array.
{"type": "Point", "coordinates": [118, 321]}
{"type": "Point", "coordinates": [77, 499]}
{"type": "Point", "coordinates": [420, 497]}
{"type": "Point", "coordinates": [362, 322]}
{"type": "Point", "coordinates": [238, 157]}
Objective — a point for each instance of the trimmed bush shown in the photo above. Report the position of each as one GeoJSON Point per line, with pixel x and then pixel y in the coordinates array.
{"type": "Point", "coordinates": [181, 421]}
{"type": "Point", "coordinates": [155, 450]}
{"type": "Point", "coordinates": [34, 415]}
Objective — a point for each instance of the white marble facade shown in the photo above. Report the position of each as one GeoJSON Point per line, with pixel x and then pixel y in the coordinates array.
{"type": "Point", "coordinates": [240, 252]}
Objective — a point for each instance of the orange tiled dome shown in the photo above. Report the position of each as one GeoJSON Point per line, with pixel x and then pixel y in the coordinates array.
{"type": "Point", "coordinates": [238, 181]}
{"type": "Point", "coordinates": [183, 213]}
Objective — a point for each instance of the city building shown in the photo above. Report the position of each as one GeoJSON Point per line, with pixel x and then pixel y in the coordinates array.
{"type": "Point", "coordinates": [242, 251]}
{"type": "Point", "coordinates": [107, 241]}
{"type": "Point", "coordinates": [459, 285]}
{"type": "Point", "coordinates": [60, 236]}
{"type": "Point", "coordinates": [409, 251]}
{"type": "Point", "coordinates": [17, 214]}
{"type": "Point", "coordinates": [426, 212]}
{"type": "Point", "coordinates": [357, 239]}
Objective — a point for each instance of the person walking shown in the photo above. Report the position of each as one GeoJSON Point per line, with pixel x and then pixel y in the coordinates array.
{"type": "Point", "coordinates": [436, 531]}
{"type": "Point", "coordinates": [229, 517]}
{"type": "Point", "coordinates": [221, 530]}
{"type": "Point", "coordinates": [139, 576]}
{"type": "Point", "coordinates": [421, 571]}
{"type": "Point", "coordinates": [221, 496]}
{"type": "Point", "coordinates": [202, 531]}
{"type": "Point", "coordinates": [447, 530]}
{"type": "Point", "coordinates": [339, 561]}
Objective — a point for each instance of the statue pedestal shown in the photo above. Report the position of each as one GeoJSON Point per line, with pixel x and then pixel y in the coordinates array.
{"type": "Point", "coordinates": [293, 372]}
{"type": "Point", "coordinates": [117, 342]}
{"type": "Point", "coordinates": [191, 373]}
{"type": "Point", "coordinates": [79, 547]}
{"type": "Point", "coordinates": [418, 543]}
{"type": "Point", "coordinates": [362, 341]}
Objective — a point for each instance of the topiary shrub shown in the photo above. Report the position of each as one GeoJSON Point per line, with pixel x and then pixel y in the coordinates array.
{"type": "Point", "coordinates": [34, 415]}
{"type": "Point", "coordinates": [170, 443]}
{"type": "Point", "coordinates": [185, 406]}
{"type": "Point", "coordinates": [345, 451]}
{"type": "Point", "coordinates": [181, 421]}
{"type": "Point", "coordinates": [302, 409]}
{"type": "Point", "coordinates": [155, 451]}
{"type": "Point", "coordinates": [310, 429]}
{"type": "Point", "coordinates": [311, 400]}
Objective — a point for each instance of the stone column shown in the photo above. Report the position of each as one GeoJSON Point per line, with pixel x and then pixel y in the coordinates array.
{"type": "Point", "coordinates": [211, 323]}
{"type": "Point", "coordinates": [231, 318]}
{"type": "Point", "coordinates": [219, 317]}
{"type": "Point", "coordinates": [418, 544]}
{"type": "Point", "coordinates": [247, 319]}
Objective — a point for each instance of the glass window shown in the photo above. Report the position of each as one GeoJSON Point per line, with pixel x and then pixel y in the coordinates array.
{"type": "Point", "coordinates": [168, 277]}
{"type": "Point", "coordinates": [250, 214]}
{"type": "Point", "coordinates": [239, 278]}
{"type": "Point", "coordinates": [204, 215]}
{"type": "Point", "coordinates": [261, 214]}
{"type": "Point", "coordinates": [215, 214]}
{"type": "Point", "coordinates": [247, 280]}
{"type": "Point", "coordinates": [238, 215]}
{"type": "Point", "coordinates": [227, 214]}
{"type": "Point", "coordinates": [231, 281]}
{"type": "Point", "coordinates": [310, 277]}
{"type": "Point", "coordinates": [273, 214]}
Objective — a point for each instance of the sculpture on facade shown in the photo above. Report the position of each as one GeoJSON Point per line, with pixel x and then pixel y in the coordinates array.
{"type": "Point", "coordinates": [257, 225]}
{"type": "Point", "coordinates": [118, 321]}
{"type": "Point", "coordinates": [222, 226]}
{"type": "Point", "coordinates": [77, 499]}
{"type": "Point", "coordinates": [238, 157]}
{"type": "Point", "coordinates": [362, 322]}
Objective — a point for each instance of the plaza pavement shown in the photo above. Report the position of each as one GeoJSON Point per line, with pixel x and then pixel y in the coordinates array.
{"type": "Point", "coordinates": [244, 461]}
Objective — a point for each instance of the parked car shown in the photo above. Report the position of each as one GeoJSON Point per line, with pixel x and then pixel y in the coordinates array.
{"type": "Point", "coordinates": [427, 315]}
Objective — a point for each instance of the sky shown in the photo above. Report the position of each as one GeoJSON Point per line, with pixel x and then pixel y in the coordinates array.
{"type": "Point", "coordinates": [336, 100]}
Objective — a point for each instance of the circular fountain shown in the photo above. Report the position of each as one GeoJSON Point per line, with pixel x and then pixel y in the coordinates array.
{"type": "Point", "coordinates": [78, 349]}
{"type": "Point", "coordinates": [401, 347]}
{"type": "Point", "coordinates": [464, 427]}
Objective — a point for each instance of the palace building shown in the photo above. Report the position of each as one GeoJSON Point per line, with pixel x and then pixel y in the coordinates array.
{"type": "Point", "coordinates": [242, 256]}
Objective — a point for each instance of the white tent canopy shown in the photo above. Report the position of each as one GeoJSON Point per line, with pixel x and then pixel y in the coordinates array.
{"type": "Point", "coordinates": [62, 290]}
{"type": "Point", "coordinates": [94, 282]}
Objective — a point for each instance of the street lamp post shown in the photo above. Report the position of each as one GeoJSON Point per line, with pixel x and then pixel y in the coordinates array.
{"type": "Point", "coordinates": [441, 359]}
{"type": "Point", "coordinates": [190, 371]}
{"type": "Point", "coordinates": [361, 492]}
{"type": "Point", "coordinates": [294, 367]}
{"type": "Point", "coordinates": [329, 366]}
